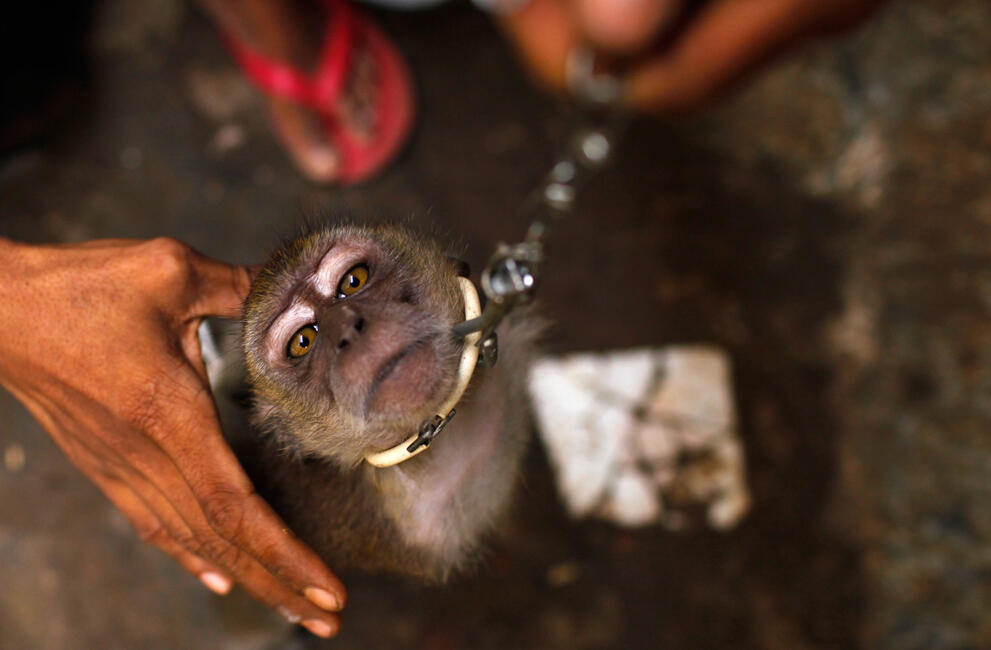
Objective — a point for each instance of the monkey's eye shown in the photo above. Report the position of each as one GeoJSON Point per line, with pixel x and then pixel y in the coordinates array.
{"type": "Point", "coordinates": [353, 281]}
{"type": "Point", "coordinates": [302, 341]}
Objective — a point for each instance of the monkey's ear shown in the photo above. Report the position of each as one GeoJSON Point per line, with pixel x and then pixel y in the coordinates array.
{"type": "Point", "coordinates": [460, 267]}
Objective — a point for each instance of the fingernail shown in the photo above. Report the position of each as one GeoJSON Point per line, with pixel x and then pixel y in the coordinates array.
{"type": "Point", "coordinates": [215, 582]}
{"type": "Point", "coordinates": [319, 628]}
{"type": "Point", "coordinates": [322, 599]}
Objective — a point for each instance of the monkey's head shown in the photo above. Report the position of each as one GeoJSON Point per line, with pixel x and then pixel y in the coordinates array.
{"type": "Point", "coordinates": [347, 339]}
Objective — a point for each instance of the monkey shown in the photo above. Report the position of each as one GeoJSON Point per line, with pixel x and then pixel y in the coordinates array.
{"type": "Point", "coordinates": [348, 349]}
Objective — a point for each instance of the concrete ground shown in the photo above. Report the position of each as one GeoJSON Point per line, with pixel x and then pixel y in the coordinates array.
{"type": "Point", "coordinates": [831, 227]}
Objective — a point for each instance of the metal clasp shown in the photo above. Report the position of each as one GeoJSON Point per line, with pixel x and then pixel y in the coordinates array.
{"type": "Point", "coordinates": [430, 430]}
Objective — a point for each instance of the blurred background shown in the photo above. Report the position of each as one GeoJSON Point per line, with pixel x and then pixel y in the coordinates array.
{"type": "Point", "coordinates": [830, 227]}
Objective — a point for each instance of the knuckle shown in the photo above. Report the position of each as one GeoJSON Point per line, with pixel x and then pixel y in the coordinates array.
{"type": "Point", "coordinates": [170, 259]}
{"type": "Point", "coordinates": [278, 571]}
{"type": "Point", "coordinates": [188, 542]}
{"type": "Point", "coordinates": [225, 512]}
{"type": "Point", "coordinates": [152, 534]}
{"type": "Point", "coordinates": [224, 554]}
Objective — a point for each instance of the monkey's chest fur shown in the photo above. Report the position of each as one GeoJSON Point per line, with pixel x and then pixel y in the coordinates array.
{"type": "Point", "coordinates": [426, 517]}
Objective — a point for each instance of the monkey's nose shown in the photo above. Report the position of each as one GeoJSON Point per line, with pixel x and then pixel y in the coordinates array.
{"type": "Point", "coordinates": [352, 329]}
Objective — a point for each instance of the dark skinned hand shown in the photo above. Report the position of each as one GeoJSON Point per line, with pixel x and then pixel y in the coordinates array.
{"type": "Point", "coordinates": [676, 55]}
{"type": "Point", "coordinates": [100, 344]}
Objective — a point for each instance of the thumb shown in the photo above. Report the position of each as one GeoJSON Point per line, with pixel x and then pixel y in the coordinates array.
{"type": "Point", "coordinates": [624, 26]}
{"type": "Point", "coordinates": [220, 288]}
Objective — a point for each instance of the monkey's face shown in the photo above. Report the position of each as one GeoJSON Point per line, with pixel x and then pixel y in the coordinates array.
{"type": "Point", "coordinates": [348, 341]}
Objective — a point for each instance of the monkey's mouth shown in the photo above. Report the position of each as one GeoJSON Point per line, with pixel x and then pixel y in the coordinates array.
{"type": "Point", "coordinates": [406, 381]}
{"type": "Point", "coordinates": [467, 363]}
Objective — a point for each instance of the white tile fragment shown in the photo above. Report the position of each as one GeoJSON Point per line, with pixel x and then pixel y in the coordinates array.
{"type": "Point", "coordinates": [632, 500]}
{"type": "Point", "coordinates": [629, 432]}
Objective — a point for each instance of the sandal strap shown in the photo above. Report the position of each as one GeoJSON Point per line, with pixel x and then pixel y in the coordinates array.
{"type": "Point", "coordinates": [336, 58]}
{"type": "Point", "coordinates": [322, 90]}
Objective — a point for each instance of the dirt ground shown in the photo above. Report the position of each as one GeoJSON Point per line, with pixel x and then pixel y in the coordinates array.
{"type": "Point", "coordinates": [830, 227]}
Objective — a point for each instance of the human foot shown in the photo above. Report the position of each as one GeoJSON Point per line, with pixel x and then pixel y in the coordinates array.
{"type": "Point", "coordinates": [332, 133]}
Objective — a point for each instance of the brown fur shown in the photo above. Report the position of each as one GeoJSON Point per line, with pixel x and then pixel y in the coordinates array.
{"type": "Point", "coordinates": [427, 516]}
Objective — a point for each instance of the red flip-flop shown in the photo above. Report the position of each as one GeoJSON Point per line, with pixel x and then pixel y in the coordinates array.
{"type": "Point", "coordinates": [394, 102]}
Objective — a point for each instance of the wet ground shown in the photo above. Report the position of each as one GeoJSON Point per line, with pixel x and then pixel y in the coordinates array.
{"type": "Point", "coordinates": [831, 227]}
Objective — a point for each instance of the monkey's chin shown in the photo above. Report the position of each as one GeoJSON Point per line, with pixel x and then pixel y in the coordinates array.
{"type": "Point", "coordinates": [408, 384]}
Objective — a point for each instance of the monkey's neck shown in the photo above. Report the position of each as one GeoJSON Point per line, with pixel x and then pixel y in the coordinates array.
{"type": "Point", "coordinates": [443, 499]}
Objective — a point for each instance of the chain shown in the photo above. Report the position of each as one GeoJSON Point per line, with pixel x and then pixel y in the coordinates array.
{"type": "Point", "coordinates": [513, 272]}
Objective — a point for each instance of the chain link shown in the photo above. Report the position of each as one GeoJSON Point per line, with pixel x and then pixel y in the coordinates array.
{"type": "Point", "coordinates": [513, 272]}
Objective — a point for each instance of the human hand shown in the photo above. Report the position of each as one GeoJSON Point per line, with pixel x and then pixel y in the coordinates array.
{"type": "Point", "coordinates": [675, 55]}
{"type": "Point", "coordinates": [100, 344]}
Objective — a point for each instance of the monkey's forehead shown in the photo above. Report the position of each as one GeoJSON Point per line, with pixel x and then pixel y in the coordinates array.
{"type": "Point", "coordinates": [307, 259]}
{"type": "Point", "coordinates": [401, 243]}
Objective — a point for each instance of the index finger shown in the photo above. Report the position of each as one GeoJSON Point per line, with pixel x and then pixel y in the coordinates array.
{"type": "Point", "coordinates": [219, 288]}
